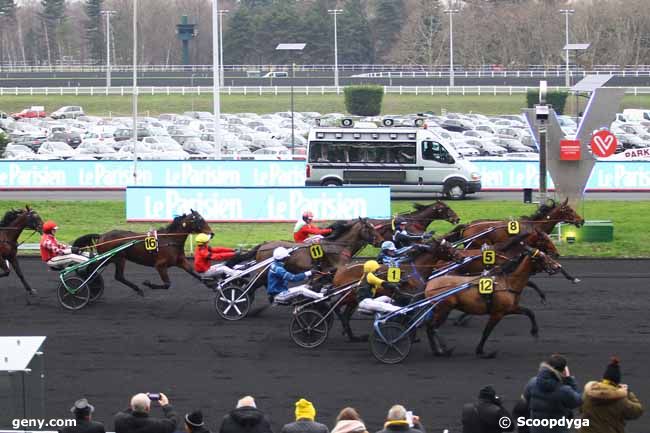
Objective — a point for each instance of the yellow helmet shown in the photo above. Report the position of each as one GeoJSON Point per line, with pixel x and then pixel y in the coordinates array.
{"type": "Point", "coordinates": [202, 239]}
{"type": "Point", "coordinates": [370, 266]}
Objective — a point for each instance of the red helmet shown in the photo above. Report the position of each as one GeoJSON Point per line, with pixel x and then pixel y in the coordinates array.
{"type": "Point", "coordinates": [48, 226]}
{"type": "Point", "coordinates": [307, 215]}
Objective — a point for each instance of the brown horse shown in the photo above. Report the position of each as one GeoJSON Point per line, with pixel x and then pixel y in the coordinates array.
{"type": "Point", "coordinates": [545, 219]}
{"type": "Point", "coordinates": [418, 220]}
{"type": "Point", "coordinates": [504, 300]}
{"type": "Point", "coordinates": [11, 226]}
{"type": "Point", "coordinates": [170, 252]}
{"type": "Point", "coordinates": [416, 271]}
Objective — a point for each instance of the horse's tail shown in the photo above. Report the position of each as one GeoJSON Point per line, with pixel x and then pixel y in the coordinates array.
{"type": "Point", "coordinates": [455, 234]}
{"type": "Point", "coordinates": [86, 241]}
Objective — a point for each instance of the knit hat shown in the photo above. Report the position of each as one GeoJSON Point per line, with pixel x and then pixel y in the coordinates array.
{"type": "Point", "coordinates": [557, 361]}
{"type": "Point", "coordinates": [194, 419]}
{"type": "Point", "coordinates": [613, 371]}
{"type": "Point", "coordinates": [487, 393]}
{"type": "Point", "coordinates": [82, 407]}
{"type": "Point", "coordinates": [305, 410]}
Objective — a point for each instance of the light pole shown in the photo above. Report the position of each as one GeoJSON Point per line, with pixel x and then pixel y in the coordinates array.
{"type": "Point", "coordinates": [451, 13]}
{"type": "Point", "coordinates": [108, 14]}
{"type": "Point", "coordinates": [135, 90]}
{"type": "Point", "coordinates": [221, 75]}
{"type": "Point", "coordinates": [336, 12]}
{"type": "Point", "coordinates": [291, 47]}
{"type": "Point", "coordinates": [216, 88]}
{"type": "Point", "coordinates": [566, 13]}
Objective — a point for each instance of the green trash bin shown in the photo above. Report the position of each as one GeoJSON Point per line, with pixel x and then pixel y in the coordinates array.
{"type": "Point", "coordinates": [591, 231]}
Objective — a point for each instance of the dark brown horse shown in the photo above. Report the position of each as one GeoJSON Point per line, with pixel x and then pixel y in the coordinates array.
{"type": "Point", "coordinates": [545, 219]}
{"type": "Point", "coordinates": [418, 220]}
{"type": "Point", "coordinates": [415, 272]}
{"type": "Point", "coordinates": [170, 252]}
{"type": "Point", "coordinates": [504, 301]}
{"type": "Point", "coordinates": [11, 226]}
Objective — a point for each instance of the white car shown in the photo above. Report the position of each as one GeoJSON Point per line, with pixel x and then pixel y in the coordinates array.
{"type": "Point", "coordinates": [279, 152]}
{"type": "Point", "coordinates": [96, 149]}
{"type": "Point", "coordinates": [58, 149]}
{"type": "Point", "coordinates": [19, 151]}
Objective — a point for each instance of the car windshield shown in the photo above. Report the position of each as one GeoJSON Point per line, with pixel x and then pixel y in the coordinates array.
{"type": "Point", "coordinates": [60, 146]}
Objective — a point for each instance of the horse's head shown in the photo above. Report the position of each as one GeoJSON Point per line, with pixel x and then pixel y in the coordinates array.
{"type": "Point", "coordinates": [444, 250]}
{"type": "Point", "coordinates": [541, 260]}
{"type": "Point", "coordinates": [193, 222]}
{"type": "Point", "coordinates": [540, 240]}
{"type": "Point", "coordinates": [565, 213]}
{"type": "Point", "coordinates": [22, 218]}
{"type": "Point", "coordinates": [368, 232]}
{"type": "Point", "coordinates": [446, 213]}
{"type": "Point", "coordinates": [34, 221]}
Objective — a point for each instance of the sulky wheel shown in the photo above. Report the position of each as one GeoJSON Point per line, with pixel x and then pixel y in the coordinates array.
{"type": "Point", "coordinates": [96, 288]}
{"type": "Point", "coordinates": [391, 344]}
{"type": "Point", "coordinates": [309, 328]}
{"type": "Point", "coordinates": [232, 302]}
{"type": "Point", "coordinates": [75, 296]}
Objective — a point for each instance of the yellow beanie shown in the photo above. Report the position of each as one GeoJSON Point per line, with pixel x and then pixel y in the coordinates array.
{"type": "Point", "coordinates": [305, 410]}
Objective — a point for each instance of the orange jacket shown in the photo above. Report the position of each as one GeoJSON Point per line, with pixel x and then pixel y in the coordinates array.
{"type": "Point", "coordinates": [203, 254]}
{"type": "Point", "coordinates": [302, 231]}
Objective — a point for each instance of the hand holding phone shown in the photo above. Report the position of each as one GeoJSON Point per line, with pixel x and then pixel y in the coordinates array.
{"type": "Point", "coordinates": [153, 396]}
{"type": "Point", "coordinates": [409, 418]}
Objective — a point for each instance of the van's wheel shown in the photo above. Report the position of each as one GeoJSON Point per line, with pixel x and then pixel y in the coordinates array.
{"type": "Point", "coordinates": [332, 182]}
{"type": "Point", "coordinates": [455, 189]}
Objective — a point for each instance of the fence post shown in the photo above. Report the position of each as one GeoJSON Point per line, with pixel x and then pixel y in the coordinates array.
{"type": "Point", "coordinates": [510, 91]}
{"type": "Point", "coordinates": [167, 90]}
{"type": "Point", "coordinates": [463, 90]}
{"type": "Point", "coordinates": [416, 90]}
{"type": "Point", "coordinates": [495, 90]}
{"type": "Point", "coordinates": [122, 91]}
{"type": "Point", "coordinates": [183, 90]}
{"type": "Point", "coordinates": [478, 89]}
{"type": "Point", "coordinates": [447, 90]}
{"type": "Point", "coordinates": [400, 90]}
{"type": "Point", "coordinates": [322, 90]}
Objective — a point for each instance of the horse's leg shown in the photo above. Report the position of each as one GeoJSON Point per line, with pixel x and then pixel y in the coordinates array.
{"type": "Point", "coordinates": [438, 345]}
{"type": "Point", "coordinates": [534, 329]}
{"type": "Point", "coordinates": [19, 272]}
{"type": "Point", "coordinates": [164, 276]}
{"type": "Point", "coordinates": [187, 267]}
{"type": "Point", "coordinates": [539, 291]}
{"type": "Point", "coordinates": [4, 267]}
{"type": "Point", "coordinates": [462, 320]}
{"type": "Point", "coordinates": [569, 276]}
{"type": "Point", "coordinates": [489, 327]}
{"type": "Point", "coordinates": [345, 321]}
{"type": "Point", "coordinates": [120, 263]}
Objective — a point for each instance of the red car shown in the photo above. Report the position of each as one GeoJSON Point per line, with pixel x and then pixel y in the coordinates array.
{"type": "Point", "coordinates": [30, 113]}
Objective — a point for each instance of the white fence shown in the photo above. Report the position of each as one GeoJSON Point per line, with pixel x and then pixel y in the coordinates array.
{"type": "Point", "coordinates": [277, 90]}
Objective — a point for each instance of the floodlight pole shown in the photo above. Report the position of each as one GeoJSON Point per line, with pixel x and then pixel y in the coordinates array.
{"type": "Point", "coordinates": [451, 13]}
{"type": "Point", "coordinates": [221, 75]}
{"type": "Point", "coordinates": [567, 12]}
{"type": "Point", "coordinates": [135, 91]}
{"type": "Point", "coordinates": [291, 47]}
{"type": "Point", "coordinates": [108, 14]}
{"type": "Point", "coordinates": [336, 12]}
{"type": "Point", "coordinates": [216, 88]}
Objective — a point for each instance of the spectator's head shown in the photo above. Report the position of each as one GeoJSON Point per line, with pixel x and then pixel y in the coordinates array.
{"type": "Point", "coordinates": [613, 372]}
{"type": "Point", "coordinates": [193, 421]}
{"type": "Point", "coordinates": [82, 410]}
{"type": "Point", "coordinates": [396, 413]}
{"type": "Point", "coordinates": [487, 393]}
{"type": "Point", "coordinates": [348, 414]}
{"type": "Point", "coordinates": [140, 403]}
{"type": "Point", "coordinates": [305, 410]}
{"type": "Point", "coordinates": [247, 401]}
{"type": "Point", "coordinates": [557, 361]}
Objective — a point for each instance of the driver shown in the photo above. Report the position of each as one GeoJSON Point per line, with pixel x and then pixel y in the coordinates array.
{"type": "Point", "coordinates": [402, 238]}
{"type": "Point", "coordinates": [368, 288]}
{"type": "Point", "coordinates": [306, 232]}
{"type": "Point", "coordinates": [278, 279]}
{"type": "Point", "coordinates": [56, 254]}
{"type": "Point", "coordinates": [389, 255]}
{"type": "Point", "coordinates": [203, 254]}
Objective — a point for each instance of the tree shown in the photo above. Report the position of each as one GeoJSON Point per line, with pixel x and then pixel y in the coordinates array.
{"type": "Point", "coordinates": [386, 25]}
{"type": "Point", "coordinates": [355, 39]}
{"type": "Point", "coordinates": [422, 38]}
{"type": "Point", "coordinates": [280, 24]}
{"type": "Point", "coordinates": [238, 45]}
{"type": "Point", "coordinates": [318, 33]}
{"type": "Point", "coordinates": [8, 9]}
{"type": "Point", "coordinates": [94, 35]}
{"type": "Point", "coordinates": [52, 16]}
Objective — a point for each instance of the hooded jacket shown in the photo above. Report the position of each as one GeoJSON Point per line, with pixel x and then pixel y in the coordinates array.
{"type": "Point", "coordinates": [483, 417]}
{"type": "Point", "coordinates": [551, 395]}
{"type": "Point", "coordinates": [246, 420]}
{"type": "Point", "coordinates": [607, 407]}
{"type": "Point", "coordinates": [140, 422]}
{"type": "Point", "coordinates": [349, 426]}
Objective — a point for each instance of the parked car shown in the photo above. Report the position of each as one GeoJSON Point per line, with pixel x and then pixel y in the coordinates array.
{"type": "Point", "coordinates": [30, 113]}
{"type": "Point", "coordinates": [71, 138]}
{"type": "Point", "coordinates": [68, 112]}
{"type": "Point", "coordinates": [32, 141]}
{"type": "Point", "coordinates": [123, 134]}
{"type": "Point", "coordinates": [279, 152]}
{"type": "Point", "coordinates": [56, 148]}
{"type": "Point", "coordinates": [276, 74]}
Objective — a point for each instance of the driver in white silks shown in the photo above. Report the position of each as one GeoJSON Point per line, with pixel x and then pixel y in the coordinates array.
{"type": "Point", "coordinates": [278, 279]}
{"type": "Point", "coordinates": [367, 291]}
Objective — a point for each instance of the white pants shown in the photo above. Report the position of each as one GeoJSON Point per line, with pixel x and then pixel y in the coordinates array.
{"type": "Point", "coordinates": [382, 304]}
{"type": "Point", "coordinates": [314, 239]}
{"type": "Point", "coordinates": [219, 268]}
{"type": "Point", "coordinates": [61, 262]}
{"type": "Point", "coordinates": [294, 292]}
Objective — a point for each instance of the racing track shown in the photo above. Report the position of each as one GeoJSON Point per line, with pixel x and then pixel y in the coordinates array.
{"type": "Point", "coordinates": [173, 342]}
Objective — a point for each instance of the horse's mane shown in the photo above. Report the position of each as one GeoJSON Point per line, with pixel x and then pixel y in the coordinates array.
{"type": "Point", "coordinates": [174, 225]}
{"type": "Point", "coordinates": [540, 213]}
{"type": "Point", "coordinates": [420, 206]}
{"type": "Point", "coordinates": [9, 217]}
{"type": "Point", "coordinates": [339, 228]}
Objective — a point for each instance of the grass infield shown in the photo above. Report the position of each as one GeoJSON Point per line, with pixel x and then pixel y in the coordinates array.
{"type": "Point", "coordinates": [629, 217]}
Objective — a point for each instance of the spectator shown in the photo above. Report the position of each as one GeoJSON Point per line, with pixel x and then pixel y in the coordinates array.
{"type": "Point", "coordinates": [608, 404]}
{"type": "Point", "coordinates": [349, 421]}
{"type": "Point", "coordinates": [82, 411]}
{"type": "Point", "coordinates": [552, 394]}
{"type": "Point", "coordinates": [521, 409]}
{"type": "Point", "coordinates": [246, 418]}
{"type": "Point", "coordinates": [136, 418]}
{"type": "Point", "coordinates": [305, 420]}
{"type": "Point", "coordinates": [484, 416]}
{"type": "Point", "coordinates": [194, 422]}
{"type": "Point", "coordinates": [397, 421]}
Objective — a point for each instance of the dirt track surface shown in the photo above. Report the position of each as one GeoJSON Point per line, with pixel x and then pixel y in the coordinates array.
{"type": "Point", "coordinates": [173, 341]}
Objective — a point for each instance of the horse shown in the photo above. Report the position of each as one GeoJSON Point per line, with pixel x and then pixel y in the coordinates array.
{"type": "Point", "coordinates": [416, 270]}
{"type": "Point", "coordinates": [544, 219]}
{"type": "Point", "coordinates": [11, 226]}
{"type": "Point", "coordinates": [418, 220]}
{"type": "Point", "coordinates": [170, 251]}
{"type": "Point", "coordinates": [504, 300]}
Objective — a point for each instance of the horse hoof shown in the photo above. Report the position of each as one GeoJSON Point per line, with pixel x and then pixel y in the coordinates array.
{"type": "Point", "coordinates": [147, 283]}
{"type": "Point", "coordinates": [445, 353]}
{"type": "Point", "coordinates": [139, 292]}
{"type": "Point", "coordinates": [575, 280]}
{"type": "Point", "coordinates": [535, 334]}
{"type": "Point", "coordinates": [32, 292]}
{"type": "Point", "coordinates": [490, 355]}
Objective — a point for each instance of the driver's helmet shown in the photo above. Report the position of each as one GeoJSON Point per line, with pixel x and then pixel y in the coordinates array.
{"type": "Point", "coordinates": [370, 266]}
{"type": "Point", "coordinates": [49, 225]}
{"type": "Point", "coordinates": [307, 216]}
{"type": "Point", "coordinates": [202, 239]}
{"type": "Point", "coordinates": [280, 253]}
{"type": "Point", "coordinates": [388, 246]}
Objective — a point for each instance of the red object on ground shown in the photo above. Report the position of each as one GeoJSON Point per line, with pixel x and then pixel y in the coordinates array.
{"type": "Point", "coordinates": [603, 144]}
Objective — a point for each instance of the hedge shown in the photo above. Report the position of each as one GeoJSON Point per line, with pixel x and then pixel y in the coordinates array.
{"type": "Point", "coordinates": [364, 100]}
{"type": "Point", "coordinates": [555, 99]}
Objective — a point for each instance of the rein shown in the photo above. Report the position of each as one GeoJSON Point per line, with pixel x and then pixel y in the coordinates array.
{"type": "Point", "coordinates": [128, 238]}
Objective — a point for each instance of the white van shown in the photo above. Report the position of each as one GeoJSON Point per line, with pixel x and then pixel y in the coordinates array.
{"type": "Point", "coordinates": [636, 115]}
{"type": "Point", "coordinates": [410, 160]}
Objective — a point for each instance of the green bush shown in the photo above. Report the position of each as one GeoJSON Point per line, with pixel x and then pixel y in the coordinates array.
{"type": "Point", "coordinates": [555, 99]}
{"type": "Point", "coordinates": [4, 140]}
{"type": "Point", "coordinates": [364, 100]}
